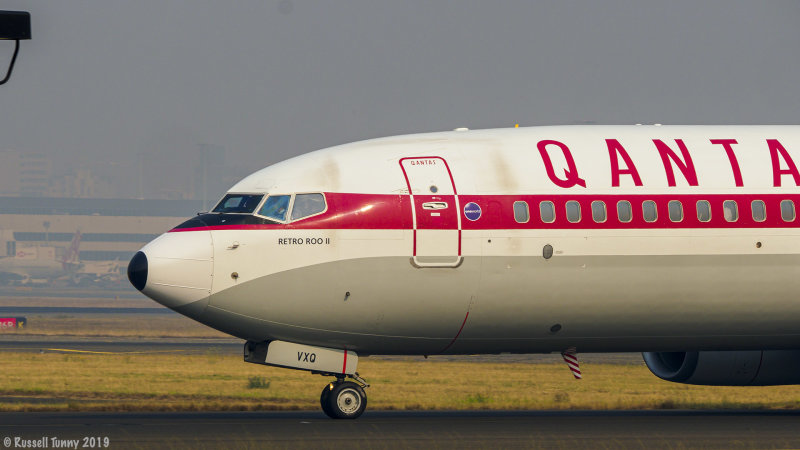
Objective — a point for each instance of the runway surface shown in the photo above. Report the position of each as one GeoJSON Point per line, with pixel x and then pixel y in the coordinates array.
{"type": "Point", "coordinates": [44, 310]}
{"type": "Point", "coordinates": [47, 344]}
{"type": "Point", "coordinates": [233, 346]}
{"type": "Point", "coordinates": [541, 429]}
{"type": "Point", "coordinates": [126, 291]}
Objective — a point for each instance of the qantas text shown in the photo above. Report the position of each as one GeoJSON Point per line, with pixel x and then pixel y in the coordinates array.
{"type": "Point", "coordinates": [673, 155]}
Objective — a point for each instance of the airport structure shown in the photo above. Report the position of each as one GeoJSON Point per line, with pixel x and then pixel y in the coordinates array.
{"type": "Point", "coordinates": [111, 230]}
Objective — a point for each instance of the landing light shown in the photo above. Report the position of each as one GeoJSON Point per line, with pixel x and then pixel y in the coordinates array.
{"type": "Point", "coordinates": [14, 26]}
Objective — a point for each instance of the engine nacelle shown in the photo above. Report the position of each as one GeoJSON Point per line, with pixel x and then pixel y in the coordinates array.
{"type": "Point", "coordinates": [727, 368]}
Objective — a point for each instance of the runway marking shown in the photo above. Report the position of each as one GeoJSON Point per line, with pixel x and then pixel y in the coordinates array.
{"type": "Point", "coordinates": [68, 350]}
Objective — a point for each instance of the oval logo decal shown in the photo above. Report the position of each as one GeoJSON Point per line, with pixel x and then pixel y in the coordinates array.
{"type": "Point", "coordinates": [472, 211]}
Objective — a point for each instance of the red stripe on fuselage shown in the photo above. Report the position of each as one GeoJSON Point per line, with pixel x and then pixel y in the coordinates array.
{"type": "Point", "coordinates": [384, 212]}
{"type": "Point", "coordinates": [499, 211]}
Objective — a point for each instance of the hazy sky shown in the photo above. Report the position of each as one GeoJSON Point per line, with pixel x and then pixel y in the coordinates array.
{"type": "Point", "coordinates": [104, 81]}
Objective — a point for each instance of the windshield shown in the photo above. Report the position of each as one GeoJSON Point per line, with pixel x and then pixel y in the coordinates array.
{"type": "Point", "coordinates": [307, 205]}
{"type": "Point", "coordinates": [238, 203]}
{"type": "Point", "coordinates": [275, 207]}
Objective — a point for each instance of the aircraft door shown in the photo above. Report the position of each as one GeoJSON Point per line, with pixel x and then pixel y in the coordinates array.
{"type": "Point", "coordinates": [437, 224]}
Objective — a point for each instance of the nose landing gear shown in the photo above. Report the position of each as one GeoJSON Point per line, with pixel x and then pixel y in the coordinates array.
{"type": "Point", "coordinates": [340, 399]}
{"type": "Point", "coordinates": [344, 399]}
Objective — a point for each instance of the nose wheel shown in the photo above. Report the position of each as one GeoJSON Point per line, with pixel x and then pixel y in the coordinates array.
{"type": "Point", "coordinates": [343, 400]}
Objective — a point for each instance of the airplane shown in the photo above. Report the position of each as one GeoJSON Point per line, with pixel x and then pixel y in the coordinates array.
{"type": "Point", "coordinates": [98, 272]}
{"type": "Point", "coordinates": [680, 242]}
{"type": "Point", "coordinates": [32, 263]}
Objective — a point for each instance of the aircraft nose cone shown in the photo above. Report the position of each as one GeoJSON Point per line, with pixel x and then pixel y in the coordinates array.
{"type": "Point", "coordinates": [175, 269]}
{"type": "Point", "coordinates": [137, 270]}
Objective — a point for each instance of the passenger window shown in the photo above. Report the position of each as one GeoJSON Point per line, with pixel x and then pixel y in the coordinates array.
{"type": "Point", "coordinates": [649, 211]}
{"type": "Point", "coordinates": [598, 211]}
{"type": "Point", "coordinates": [573, 211]}
{"type": "Point", "coordinates": [238, 203]}
{"type": "Point", "coordinates": [675, 210]}
{"type": "Point", "coordinates": [275, 207]}
{"type": "Point", "coordinates": [624, 211]}
{"type": "Point", "coordinates": [547, 212]}
{"type": "Point", "coordinates": [759, 210]}
{"type": "Point", "coordinates": [307, 205]}
{"type": "Point", "coordinates": [521, 214]}
{"type": "Point", "coordinates": [730, 210]}
{"type": "Point", "coordinates": [787, 211]}
{"type": "Point", "coordinates": [703, 211]}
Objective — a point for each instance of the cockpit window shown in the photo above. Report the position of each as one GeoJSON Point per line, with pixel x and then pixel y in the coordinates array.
{"type": "Point", "coordinates": [238, 203]}
{"type": "Point", "coordinates": [307, 205]}
{"type": "Point", "coordinates": [276, 207]}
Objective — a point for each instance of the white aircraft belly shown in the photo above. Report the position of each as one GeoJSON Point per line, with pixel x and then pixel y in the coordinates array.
{"type": "Point", "coordinates": [604, 286]}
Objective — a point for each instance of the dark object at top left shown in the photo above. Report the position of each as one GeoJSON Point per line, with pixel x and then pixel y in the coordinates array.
{"type": "Point", "coordinates": [15, 25]}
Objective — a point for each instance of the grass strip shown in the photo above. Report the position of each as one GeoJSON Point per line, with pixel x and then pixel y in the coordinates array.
{"type": "Point", "coordinates": [117, 326]}
{"type": "Point", "coordinates": [164, 382]}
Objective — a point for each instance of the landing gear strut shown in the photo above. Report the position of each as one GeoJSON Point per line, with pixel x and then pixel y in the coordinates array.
{"type": "Point", "coordinates": [344, 399]}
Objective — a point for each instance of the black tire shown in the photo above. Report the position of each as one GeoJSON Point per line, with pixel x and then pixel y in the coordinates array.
{"type": "Point", "coordinates": [346, 400]}
{"type": "Point", "coordinates": [323, 400]}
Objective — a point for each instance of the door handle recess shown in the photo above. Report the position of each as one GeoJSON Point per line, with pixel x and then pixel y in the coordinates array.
{"type": "Point", "coordinates": [434, 205]}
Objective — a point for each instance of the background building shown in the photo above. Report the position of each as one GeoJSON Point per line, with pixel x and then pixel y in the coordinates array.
{"type": "Point", "coordinates": [111, 229]}
{"type": "Point", "coordinates": [26, 174]}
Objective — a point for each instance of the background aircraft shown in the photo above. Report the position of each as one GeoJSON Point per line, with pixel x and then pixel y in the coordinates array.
{"type": "Point", "coordinates": [41, 263]}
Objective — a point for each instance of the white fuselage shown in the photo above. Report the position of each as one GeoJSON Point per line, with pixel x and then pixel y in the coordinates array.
{"type": "Point", "coordinates": [604, 238]}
